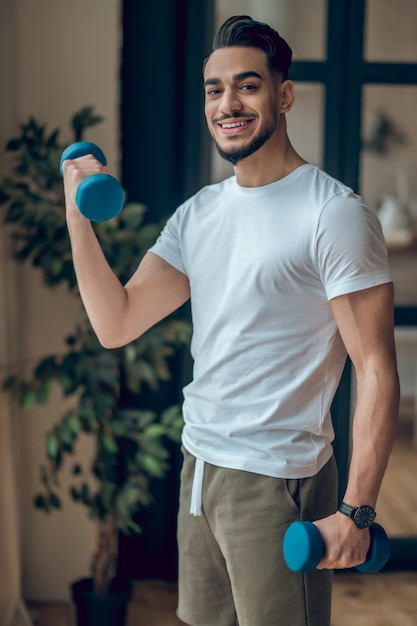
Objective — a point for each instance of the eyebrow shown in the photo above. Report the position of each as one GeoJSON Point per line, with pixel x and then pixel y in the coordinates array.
{"type": "Point", "coordinates": [236, 78]}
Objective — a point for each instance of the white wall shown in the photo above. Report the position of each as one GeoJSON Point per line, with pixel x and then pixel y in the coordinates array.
{"type": "Point", "coordinates": [57, 56]}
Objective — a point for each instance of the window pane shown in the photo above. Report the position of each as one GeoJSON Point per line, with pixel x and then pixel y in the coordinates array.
{"type": "Point", "coordinates": [305, 122]}
{"type": "Point", "coordinates": [301, 22]}
{"type": "Point", "coordinates": [390, 31]}
{"type": "Point", "coordinates": [388, 176]}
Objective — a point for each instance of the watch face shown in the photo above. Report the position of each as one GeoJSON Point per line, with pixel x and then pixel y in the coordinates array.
{"type": "Point", "coordinates": [364, 516]}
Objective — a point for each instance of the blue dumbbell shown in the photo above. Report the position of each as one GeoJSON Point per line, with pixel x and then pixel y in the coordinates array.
{"type": "Point", "coordinates": [303, 548]}
{"type": "Point", "coordinates": [99, 197]}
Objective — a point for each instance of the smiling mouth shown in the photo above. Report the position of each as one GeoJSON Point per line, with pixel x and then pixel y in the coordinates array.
{"type": "Point", "coordinates": [234, 124]}
{"type": "Point", "coordinates": [234, 129]}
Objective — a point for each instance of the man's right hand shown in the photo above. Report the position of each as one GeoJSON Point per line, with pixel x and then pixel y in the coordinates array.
{"type": "Point", "coordinates": [74, 171]}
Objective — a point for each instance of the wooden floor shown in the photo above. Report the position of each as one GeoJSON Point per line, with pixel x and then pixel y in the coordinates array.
{"type": "Point", "coordinates": [388, 599]}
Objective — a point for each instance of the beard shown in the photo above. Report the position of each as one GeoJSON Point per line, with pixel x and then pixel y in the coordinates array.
{"type": "Point", "coordinates": [233, 156]}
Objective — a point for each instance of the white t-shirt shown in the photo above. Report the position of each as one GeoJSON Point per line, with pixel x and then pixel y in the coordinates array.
{"type": "Point", "coordinates": [263, 264]}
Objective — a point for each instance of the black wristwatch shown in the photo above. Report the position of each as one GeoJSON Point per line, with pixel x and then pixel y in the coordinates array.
{"type": "Point", "coordinates": [363, 516]}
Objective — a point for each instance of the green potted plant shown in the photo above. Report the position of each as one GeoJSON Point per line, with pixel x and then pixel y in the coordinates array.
{"type": "Point", "coordinates": [130, 437]}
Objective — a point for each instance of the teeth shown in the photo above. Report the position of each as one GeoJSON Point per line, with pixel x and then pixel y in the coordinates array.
{"type": "Point", "coordinates": [234, 125]}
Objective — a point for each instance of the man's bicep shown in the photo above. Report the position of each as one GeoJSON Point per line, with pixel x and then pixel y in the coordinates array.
{"type": "Point", "coordinates": [155, 290]}
{"type": "Point", "coordinates": [365, 320]}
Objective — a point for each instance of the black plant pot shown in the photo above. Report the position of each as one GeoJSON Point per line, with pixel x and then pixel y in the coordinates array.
{"type": "Point", "coordinates": [100, 610]}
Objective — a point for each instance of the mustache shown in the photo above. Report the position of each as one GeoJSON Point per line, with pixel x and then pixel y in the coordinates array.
{"type": "Point", "coordinates": [224, 117]}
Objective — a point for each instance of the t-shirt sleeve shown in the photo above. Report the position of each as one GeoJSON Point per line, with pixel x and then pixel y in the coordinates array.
{"type": "Point", "coordinates": [350, 247]}
{"type": "Point", "coordinates": [168, 244]}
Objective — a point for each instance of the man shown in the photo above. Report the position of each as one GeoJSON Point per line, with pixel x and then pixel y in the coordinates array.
{"type": "Point", "coordinates": [287, 272]}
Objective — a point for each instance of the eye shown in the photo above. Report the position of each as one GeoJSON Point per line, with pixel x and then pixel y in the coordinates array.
{"type": "Point", "coordinates": [212, 92]}
{"type": "Point", "coordinates": [248, 87]}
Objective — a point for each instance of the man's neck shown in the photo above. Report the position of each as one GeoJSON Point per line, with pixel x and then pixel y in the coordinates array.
{"type": "Point", "coordinates": [267, 166]}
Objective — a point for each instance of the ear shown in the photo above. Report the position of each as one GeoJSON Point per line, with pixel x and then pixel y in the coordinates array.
{"type": "Point", "coordinates": [286, 95]}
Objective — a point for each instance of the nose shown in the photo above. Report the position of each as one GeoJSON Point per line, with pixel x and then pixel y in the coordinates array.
{"type": "Point", "coordinates": [230, 102]}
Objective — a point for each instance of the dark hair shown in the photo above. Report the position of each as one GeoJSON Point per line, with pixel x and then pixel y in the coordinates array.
{"type": "Point", "coordinates": [242, 30]}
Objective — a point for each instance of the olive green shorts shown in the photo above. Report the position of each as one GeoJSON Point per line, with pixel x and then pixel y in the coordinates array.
{"type": "Point", "coordinates": [231, 567]}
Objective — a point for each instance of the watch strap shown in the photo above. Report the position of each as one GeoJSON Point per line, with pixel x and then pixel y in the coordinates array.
{"type": "Point", "coordinates": [346, 509]}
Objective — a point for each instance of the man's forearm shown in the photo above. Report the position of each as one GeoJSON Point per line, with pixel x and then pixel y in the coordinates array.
{"type": "Point", "coordinates": [373, 433]}
{"type": "Point", "coordinates": [103, 295]}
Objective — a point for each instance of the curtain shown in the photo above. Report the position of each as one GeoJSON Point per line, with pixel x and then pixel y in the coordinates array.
{"type": "Point", "coordinates": [180, 146]}
{"type": "Point", "coordinates": [12, 609]}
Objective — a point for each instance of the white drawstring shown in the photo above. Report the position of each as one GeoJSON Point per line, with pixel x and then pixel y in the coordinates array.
{"type": "Point", "coordinates": [197, 490]}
